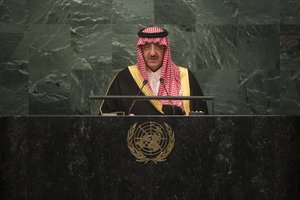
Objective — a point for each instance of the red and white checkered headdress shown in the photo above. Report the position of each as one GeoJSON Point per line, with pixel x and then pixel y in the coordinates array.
{"type": "Point", "coordinates": [169, 71]}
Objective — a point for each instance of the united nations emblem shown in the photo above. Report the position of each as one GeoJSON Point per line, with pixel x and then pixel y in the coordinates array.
{"type": "Point", "coordinates": [150, 141]}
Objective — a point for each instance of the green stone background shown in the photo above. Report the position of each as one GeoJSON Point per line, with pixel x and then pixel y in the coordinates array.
{"type": "Point", "coordinates": [53, 54]}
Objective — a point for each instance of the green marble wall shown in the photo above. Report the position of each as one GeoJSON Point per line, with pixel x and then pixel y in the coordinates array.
{"type": "Point", "coordinates": [53, 54]}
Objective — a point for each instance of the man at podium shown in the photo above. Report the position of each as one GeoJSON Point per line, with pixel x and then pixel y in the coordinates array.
{"type": "Point", "coordinates": [155, 74]}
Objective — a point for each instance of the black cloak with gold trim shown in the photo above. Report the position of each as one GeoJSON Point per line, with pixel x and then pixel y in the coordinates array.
{"type": "Point", "coordinates": [129, 81]}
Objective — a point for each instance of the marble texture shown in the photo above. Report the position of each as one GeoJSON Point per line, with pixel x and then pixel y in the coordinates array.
{"type": "Point", "coordinates": [48, 12]}
{"type": "Point", "coordinates": [85, 83]}
{"type": "Point", "coordinates": [133, 11]}
{"type": "Point", "coordinates": [14, 89]}
{"type": "Point", "coordinates": [13, 12]}
{"type": "Point", "coordinates": [13, 70]}
{"type": "Point", "coordinates": [179, 12]}
{"type": "Point", "coordinates": [90, 12]}
{"type": "Point", "coordinates": [289, 95]}
{"type": "Point", "coordinates": [242, 157]}
{"type": "Point", "coordinates": [124, 45]}
{"type": "Point", "coordinates": [212, 82]}
{"type": "Point", "coordinates": [13, 155]}
{"type": "Point", "coordinates": [179, 38]}
{"type": "Point", "coordinates": [259, 11]}
{"type": "Point", "coordinates": [290, 12]}
{"type": "Point", "coordinates": [92, 47]}
{"type": "Point", "coordinates": [216, 47]}
{"type": "Point", "coordinates": [290, 138]}
{"type": "Point", "coordinates": [217, 12]}
{"type": "Point", "coordinates": [289, 47]}
{"type": "Point", "coordinates": [49, 67]}
{"type": "Point", "coordinates": [289, 69]}
{"type": "Point", "coordinates": [261, 91]}
{"type": "Point", "coordinates": [258, 47]}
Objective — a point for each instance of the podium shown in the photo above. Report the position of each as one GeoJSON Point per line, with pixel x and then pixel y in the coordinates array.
{"type": "Point", "coordinates": [87, 157]}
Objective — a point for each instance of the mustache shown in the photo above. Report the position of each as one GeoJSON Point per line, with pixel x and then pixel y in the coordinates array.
{"type": "Point", "coordinates": [152, 57]}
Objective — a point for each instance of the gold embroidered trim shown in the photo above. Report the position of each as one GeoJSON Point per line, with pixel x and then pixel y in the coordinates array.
{"type": "Point", "coordinates": [185, 88]}
{"type": "Point", "coordinates": [146, 90]}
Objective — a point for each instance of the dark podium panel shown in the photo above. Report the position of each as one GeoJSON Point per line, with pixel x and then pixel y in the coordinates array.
{"type": "Point", "coordinates": [227, 157]}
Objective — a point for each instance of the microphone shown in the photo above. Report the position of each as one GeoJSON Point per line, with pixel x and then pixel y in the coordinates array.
{"type": "Point", "coordinates": [162, 82]}
{"type": "Point", "coordinates": [144, 83]}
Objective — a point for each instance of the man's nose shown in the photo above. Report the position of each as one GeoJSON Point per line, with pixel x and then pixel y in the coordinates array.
{"type": "Point", "coordinates": [152, 50]}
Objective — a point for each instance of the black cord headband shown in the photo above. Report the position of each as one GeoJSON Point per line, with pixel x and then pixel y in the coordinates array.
{"type": "Point", "coordinates": [152, 35]}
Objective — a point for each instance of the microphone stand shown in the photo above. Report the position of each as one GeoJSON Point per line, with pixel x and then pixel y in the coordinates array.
{"type": "Point", "coordinates": [144, 83]}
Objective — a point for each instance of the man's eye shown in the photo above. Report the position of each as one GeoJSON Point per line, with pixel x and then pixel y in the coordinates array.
{"type": "Point", "coordinates": [156, 46]}
{"type": "Point", "coordinates": [159, 46]}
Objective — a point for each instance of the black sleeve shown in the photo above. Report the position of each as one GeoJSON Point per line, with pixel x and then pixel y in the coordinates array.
{"type": "Point", "coordinates": [195, 89]}
{"type": "Point", "coordinates": [113, 105]}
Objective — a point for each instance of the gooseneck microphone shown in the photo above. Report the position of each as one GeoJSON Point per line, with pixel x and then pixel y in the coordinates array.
{"type": "Point", "coordinates": [144, 83]}
{"type": "Point", "coordinates": [162, 82]}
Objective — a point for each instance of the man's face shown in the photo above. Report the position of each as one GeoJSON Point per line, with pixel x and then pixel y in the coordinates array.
{"type": "Point", "coordinates": [153, 54]}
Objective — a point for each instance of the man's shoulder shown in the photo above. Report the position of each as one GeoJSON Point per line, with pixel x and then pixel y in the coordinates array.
{"type": "Point", "coordinates": [124, 71]}
{"type": "Point", "coordinates": [124, 74]}
{"type": "Point", "coordinates": [127, 69]}
{"type": "Point", "coordinates": [188, 72]}
{"type": "Point", "coordinates": [185, 70]}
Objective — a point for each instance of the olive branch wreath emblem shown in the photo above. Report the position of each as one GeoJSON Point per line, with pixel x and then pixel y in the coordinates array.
{"type": "Point", "coordinates": [162, 154]}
